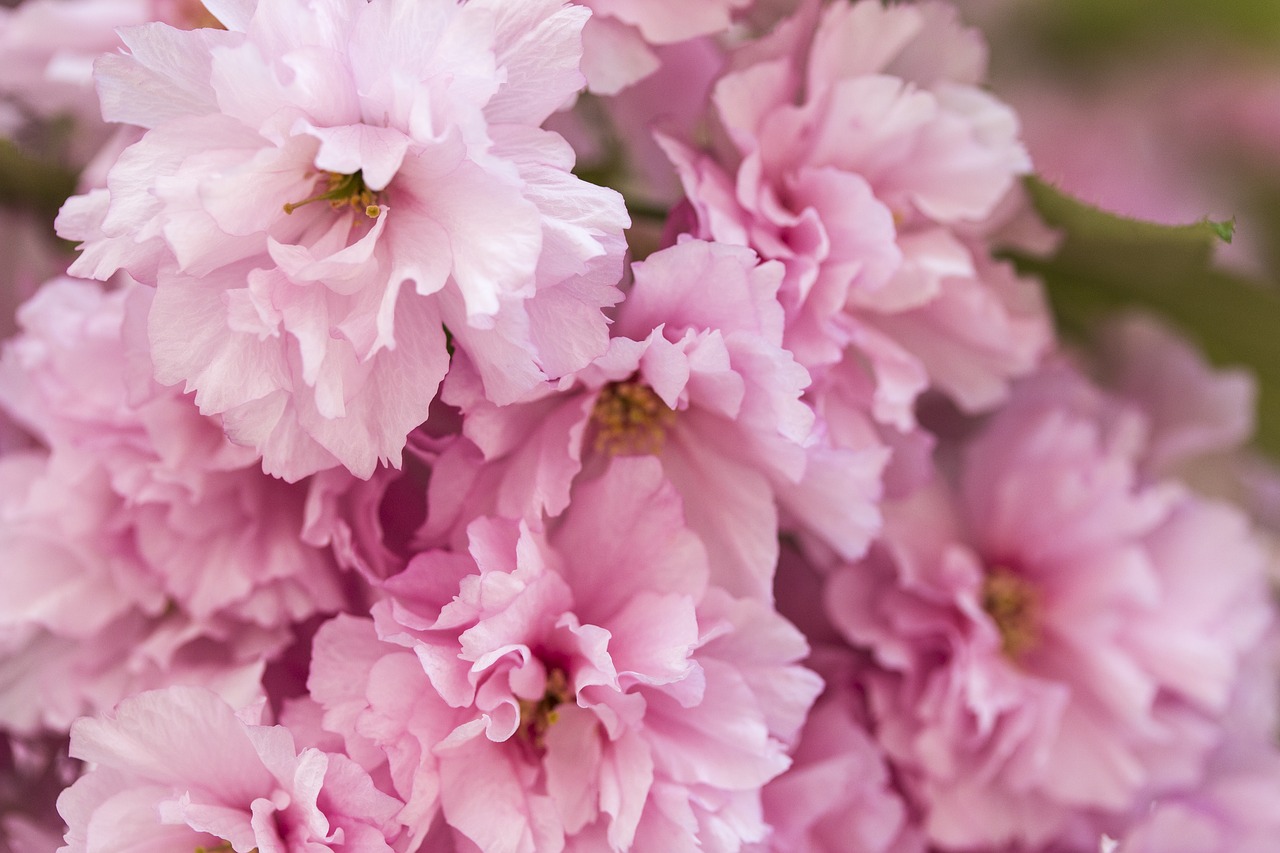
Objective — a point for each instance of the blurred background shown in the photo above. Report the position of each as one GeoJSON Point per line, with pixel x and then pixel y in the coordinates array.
{"type": "Point", "coordinates": [1166, 110]}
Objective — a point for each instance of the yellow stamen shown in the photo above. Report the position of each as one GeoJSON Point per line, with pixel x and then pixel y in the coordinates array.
{"type": "Point", "coordinates": [537, 717]}
{"type": "Point", "coordinates": [343, 191]}
{"type": "Point", "coordinates": [192, 15]}
{"type": "Point", "coordinates": [1011, 603]}
{"type": "Point", "coordinates": [630, 419]}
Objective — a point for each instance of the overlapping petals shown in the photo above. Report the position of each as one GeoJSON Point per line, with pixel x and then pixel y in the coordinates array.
{"type": "Point", "coordinates": [860, 152]}
{"type": "Point", "coordinates": [585, 688]}
{"type": "Point", "coordinates": [141, 547]}
{"type": "Point", "coordinates": [325, 206]}
{"type": "Point", "coordinates": [697, 377]}
{"type": "Point", "coordinates": [1054, 636]}
{"type": "Point", "coordinates": [178, 769]}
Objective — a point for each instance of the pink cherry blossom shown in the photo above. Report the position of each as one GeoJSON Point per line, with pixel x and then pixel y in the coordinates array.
{"type": "Point", "coordinates": [579, 689]}
{"type": "Point", "coordinates": [140, 547]}
{"type": "Point", "coordinates": [1054, 637]}
{"type": "Point", "coordinates": [301, 168]}
{"type": "Point", "coordinates": [859, 150]}
{"type": "Point", "coordinates": [178, 769]}
{"type": "Point", "coordinates": [697, 377]}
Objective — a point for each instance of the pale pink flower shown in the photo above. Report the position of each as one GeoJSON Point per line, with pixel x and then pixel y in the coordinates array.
{"type": "Point", "coordinates": [1233, 812]}
{"type": "Point", "coordinates": [1192, 408]}
{"type": "Point", "coordinates": [178, 769]}
{"type": "Point", "coordinates": [860, 151]}
{"type": "Point", "coordinates": [620, 40]}
{"type": "Point", "coordinates": [47, 51]}
{"type": "Point", "coordinates": [579, 689]}
{"type": "Point", "coordinates": [1229, 811]}
{"type": "Point", "coordinates": [299, 170]}
{"type": "Point", "coordinates": [697, 377]}
{"type": "Point", "coordinates": [1054, 638]}
{"type": "Point", "coordinates": [141, 548]}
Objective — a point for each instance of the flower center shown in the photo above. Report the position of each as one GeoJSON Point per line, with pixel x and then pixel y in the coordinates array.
{"type": "Point", "coordinates": [192, 15]}
{"type": "Point", "coordinates": [1011, 603]}
{"type": "Point", "coordinates": [537, 717]}
{"type": "Point", "coordinates": [224, 847]}
{"type": "Point", "coordinates": [631, 420]}
{"type": "Point", "coordinates": [343, 191]}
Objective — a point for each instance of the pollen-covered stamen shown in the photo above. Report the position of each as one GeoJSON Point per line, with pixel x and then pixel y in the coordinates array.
{"type": "Point", "coordinates": [630, 419]}
{"type": "Point", "coordinates": [537, 717]}
{"type": "Point", "coordinates": [343, 191]}
{"type": "Point", "coordinates": [224, 847]}
{"type": "Point", "coordinates": [1012, 604]}
{"type": "Point", "coordinates": [193, 15]}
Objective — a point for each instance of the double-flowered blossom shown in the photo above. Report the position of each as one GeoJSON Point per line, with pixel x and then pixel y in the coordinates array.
{"type": "Point", "coordinates": [331, 194]}
{"type": "Point", "coordinates": [1054, 635]}
{"type": "Point", "coordinates": [141, 547]}
{"type": "Point", "coordinates": [179, 769]}
{"type": "Point", "coordinates": [364, 487]}
{"type": "Point", "coordinates": [697, 377]}
{"type": "Point", "coordinates": [859, 150]}
{"type": "Point", "coordinates": [582, 688]}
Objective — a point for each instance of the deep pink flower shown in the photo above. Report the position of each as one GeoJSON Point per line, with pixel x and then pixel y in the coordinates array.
{"type": "Point", "coordinates": [1054, 637]}
{"type": "Point", "coordinates": [317, 201]}
{"type": "Point", "coordinates": [579, 689]}
{"type": "Point", "coordinates": [177, 769]}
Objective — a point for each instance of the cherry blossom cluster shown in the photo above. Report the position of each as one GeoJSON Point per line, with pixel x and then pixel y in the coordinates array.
{"type": "Point", "coordinates": [527, 426]}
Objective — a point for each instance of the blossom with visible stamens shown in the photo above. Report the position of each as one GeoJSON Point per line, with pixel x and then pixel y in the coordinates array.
{"type": "Point", "coordinates": [179, 769]}
{"type": "Point", "coordinates": [582, 686]}
{"type": "Point", "coordinates": [696, 376]}
{"type": "Point", "coordinates": [1053, 637]}
{"type": "Point", "coordinates": [316, 205]}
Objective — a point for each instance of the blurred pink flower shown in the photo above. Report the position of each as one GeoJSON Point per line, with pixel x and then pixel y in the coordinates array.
{"type": "Point", "coordinates": [1055, 639]}
{"type": "Point", "coordinates": [141, 548]}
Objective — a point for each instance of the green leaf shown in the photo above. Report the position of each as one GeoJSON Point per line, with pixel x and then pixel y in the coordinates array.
{"type": "Point", "coordinates": [1108, 263]}
{"type": "Point", "coordinates": [1225, 230]}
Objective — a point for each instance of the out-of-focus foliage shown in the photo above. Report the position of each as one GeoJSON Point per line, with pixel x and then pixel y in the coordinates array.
{"type": "Point", "coordinates": [1079, 32]}
{"type": "Point", "coordinates": [1107, 262]}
